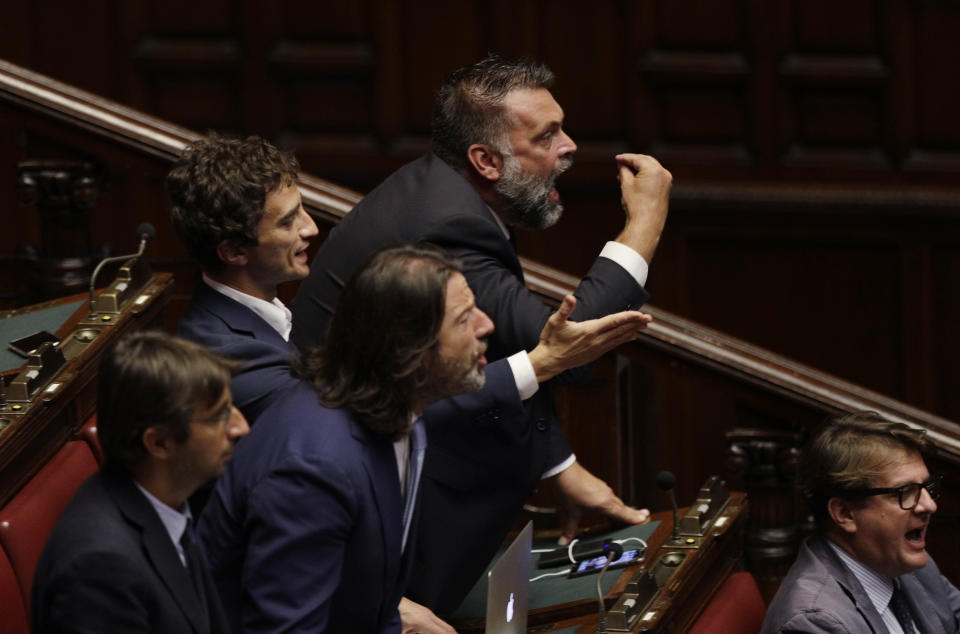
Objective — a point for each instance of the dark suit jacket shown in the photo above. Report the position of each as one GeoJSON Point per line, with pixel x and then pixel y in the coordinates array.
{"type": "Point", "coordinates": [231, 329]}
{"type": "Point", "coordinates": [303, 532]}
{"type": "Point", "coordinates": [820, 594]}
{"type": "Point", "coordinates": [110, 566]}
{"type": "Point", "coordinates": [478, 473]}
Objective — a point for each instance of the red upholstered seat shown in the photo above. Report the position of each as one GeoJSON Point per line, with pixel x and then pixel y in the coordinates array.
{"type": "Point", "coordinates": [27, 520]}
{"type": "Point", "coordinates": [13, 614]}
{"type": "Point", "coordinates": [737, 608]}
{"type": "Point", "coordinates": [89, 434]}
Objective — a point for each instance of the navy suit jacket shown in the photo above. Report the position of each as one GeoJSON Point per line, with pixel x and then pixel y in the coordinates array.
{"type": "Point", "coordinates": [110, 566]}
{"type": "Point", "coordinates": [820, 594]}
{"type": "Point", "coordinates": [303, 532]}
{"type": "Point", "coordinates": [478, 472]}
{"type": "Point", "coordinates": [231, 329]}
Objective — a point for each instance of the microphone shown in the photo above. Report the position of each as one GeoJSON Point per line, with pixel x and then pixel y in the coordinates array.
{"type": "Point", "coordinates": [579, 551]}
{"type": "Point", "coordinates": [146, 232]}
{"type": "Point", "coordinates": [666, 481]}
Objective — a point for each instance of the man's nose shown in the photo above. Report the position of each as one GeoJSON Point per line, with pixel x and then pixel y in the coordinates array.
{"type": "Point", "coordinates": [567, 146]}
{"type": "Point", "coordinates": [926, 503]}
{"type": "Point", "coordinates": [308, 228]}
{"type": "Point", "coordinates": [484, 325]}
{"type": "Point", "coordinates": [238, 425]}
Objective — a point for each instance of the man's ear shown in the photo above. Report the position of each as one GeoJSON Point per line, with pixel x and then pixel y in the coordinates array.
{"type": "Point", "coordinates": [231, 253]}
{"type": "Point", "coordinates": [158, 442]}
{"type": "Point", "coordinates": [487, 162]}
{"type": "Point", "coordinates": [841, 512]}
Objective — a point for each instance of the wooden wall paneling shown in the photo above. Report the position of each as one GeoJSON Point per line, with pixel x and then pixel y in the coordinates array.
{"type": "Point", "coordinates": [945, 282]}
{"type": "Point", "coordinates": [917, 335]}
{"type": "Point", "coordinates": [190, 63]}
{"type": "Point", "coordinates": [836, 85]}
{"type": "Point", "coordinates": [584, 40]}
{"type": "Point", "coordinates": [697, 77]}
{"type": "Point", "coordinates": [786, 293]}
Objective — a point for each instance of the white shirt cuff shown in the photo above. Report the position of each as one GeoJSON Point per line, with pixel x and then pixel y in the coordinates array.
{"type": "Point", "coordinates": [629, 259]}
{"type": "Point", "coordinates": [523, 374]}
{"type": "Point", "coordinates": [563, 466]}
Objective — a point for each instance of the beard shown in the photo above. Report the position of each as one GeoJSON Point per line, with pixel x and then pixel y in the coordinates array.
{"type": "Point", "coordinates": [526, 195]}
{"type": "Point", "coordinates": [456, 376]}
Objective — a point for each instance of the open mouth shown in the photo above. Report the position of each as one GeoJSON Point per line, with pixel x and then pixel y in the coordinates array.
{"type": "Point", "coordinates": [916, 535]}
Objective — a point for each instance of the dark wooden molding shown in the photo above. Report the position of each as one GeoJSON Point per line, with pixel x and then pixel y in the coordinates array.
{"type": "Point", "coordinates": [139, 131]}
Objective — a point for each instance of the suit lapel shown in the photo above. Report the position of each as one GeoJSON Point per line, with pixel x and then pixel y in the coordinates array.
{"type": "Point", "coordinates": [925, 613]}
{"type": "Point", "coordinates": [160, 550]}
{"type": "Point", "coordinates": [848, 581]}
{"type": "Point", "coordinates": [449, 185]}
{"type": "Point", "coordinates": [238, 317]}
{"type": "Point", "coordinates": [380, 463]}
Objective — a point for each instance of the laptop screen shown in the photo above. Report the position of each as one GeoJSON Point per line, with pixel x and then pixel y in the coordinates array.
{"type": "Point", "coordinates": [508, 584]}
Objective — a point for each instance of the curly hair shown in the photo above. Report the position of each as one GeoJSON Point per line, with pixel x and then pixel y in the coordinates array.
{"type": "Point", "coordinates": [218, 189]}
{"type": "Point", "coordinates": [375, 357]}
{"type": "Point", "coordinates": [851, 453]}
{"type": "Point", "coordinates": [151, 379]}
{"type": "Point", "coordinates": [469, 107]}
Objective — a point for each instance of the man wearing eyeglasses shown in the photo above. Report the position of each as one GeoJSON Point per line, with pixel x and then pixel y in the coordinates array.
{"type": "Point", "coordinates": [867, 569]}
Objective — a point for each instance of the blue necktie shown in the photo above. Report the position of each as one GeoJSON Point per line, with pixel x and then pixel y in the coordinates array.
{"type": "Point", "coordinates": [901, 610]}
{"type": "Point", "coordinates": [418, 445]}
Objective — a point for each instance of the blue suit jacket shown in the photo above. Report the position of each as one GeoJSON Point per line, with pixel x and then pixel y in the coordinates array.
{"type": "Point", "coordinates": [231, 329]}
{"type": "Point", "coordinates": [820, 594]}
{"type": "Point", "coordinates": [478, 472]}
{"type": "Point", "coordinates": [110, 566]}
{"type": "Point", "coordinates": [303, 532]}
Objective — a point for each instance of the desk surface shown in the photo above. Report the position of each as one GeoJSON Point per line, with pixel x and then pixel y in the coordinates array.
{"type": "Point", "coordinates": [677, 603]}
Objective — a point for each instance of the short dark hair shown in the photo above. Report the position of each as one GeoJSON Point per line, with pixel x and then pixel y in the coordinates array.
{"type": "Point", "coordinates": [151, 379]}
{"type": "Point", "coordinates": [851, 453]}
{"type": "Point", "coordinates": [469, 106]}
{"type": "Point", "coordinates": [218, 189]}
{"type": "Point", "coordinates": [375, 356]}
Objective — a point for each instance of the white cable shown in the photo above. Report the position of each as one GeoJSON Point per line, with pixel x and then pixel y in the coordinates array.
{"type": "Point", "coordinates": [551, 574]}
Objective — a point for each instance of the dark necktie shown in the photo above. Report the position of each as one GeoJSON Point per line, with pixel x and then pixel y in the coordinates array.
{"type": "Point", "coordinates": [898, 603]}
{"type": "Point", "coordinates": [192, 557]}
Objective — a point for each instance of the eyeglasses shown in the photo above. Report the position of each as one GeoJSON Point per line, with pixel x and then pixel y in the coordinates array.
{"type": "Point", "coordinates": [908, 495]}
{"type": "Point", "coordinates": [221, 419]}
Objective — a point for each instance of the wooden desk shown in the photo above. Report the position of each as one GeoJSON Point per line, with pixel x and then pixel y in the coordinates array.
{"type": "Point", "coordinates": [33, 429]}
{"type": "Point", "coordinates": [677, 604]}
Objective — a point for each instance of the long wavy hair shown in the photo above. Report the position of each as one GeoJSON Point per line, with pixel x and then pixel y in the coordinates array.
{"type": "Point", "coordinates": [375, 358]}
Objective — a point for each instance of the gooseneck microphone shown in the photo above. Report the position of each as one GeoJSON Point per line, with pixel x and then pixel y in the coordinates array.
{"type": "Point", "coordinates": [666, 481]}
{"type": "Point", "coordinates": [146, 232]}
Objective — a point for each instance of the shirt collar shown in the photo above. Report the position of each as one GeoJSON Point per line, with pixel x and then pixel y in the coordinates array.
{"type": "Point", "coordinates": [175, 521]}
{"type": "Point", "coordinates": [496, 218]}
{"type": "Point", "coordinates": [274, 312]}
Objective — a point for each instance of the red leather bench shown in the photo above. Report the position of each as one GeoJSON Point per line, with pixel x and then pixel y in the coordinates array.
{"type": "Point", "coordinates": [736, 608]}
{"type": "Point", "coordinates": [27, 520]}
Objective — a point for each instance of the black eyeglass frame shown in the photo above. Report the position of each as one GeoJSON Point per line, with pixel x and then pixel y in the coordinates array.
{"type": "Point", "coordinates": [932, 486]}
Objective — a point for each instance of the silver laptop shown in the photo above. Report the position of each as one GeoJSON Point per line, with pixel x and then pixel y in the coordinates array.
{"type": "Point", "coordinates": [508, 585]}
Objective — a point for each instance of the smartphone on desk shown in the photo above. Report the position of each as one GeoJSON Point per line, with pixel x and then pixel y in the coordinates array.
{"type": "Point", "coordinates": [590, 566]}
{"type": "Point", "coordinates": [25, 346]}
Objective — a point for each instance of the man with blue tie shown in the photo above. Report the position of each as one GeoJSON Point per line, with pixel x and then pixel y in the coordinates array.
{"type": "Point", "coordinates": [867, 569]}
{"type": "Point", "coordinates": [310, 529]}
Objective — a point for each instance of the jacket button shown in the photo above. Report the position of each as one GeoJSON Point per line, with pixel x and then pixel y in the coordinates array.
{"type": "Point", "coordinates": [541, 424]}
